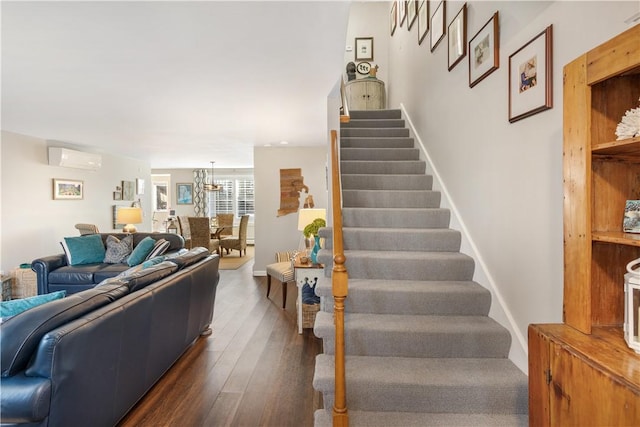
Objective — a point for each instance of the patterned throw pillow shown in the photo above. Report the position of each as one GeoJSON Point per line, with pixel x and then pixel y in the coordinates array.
{"type": "Point", "coordinates": [159, 248]}
{"type": "Point", "coordinates": [118, 250]}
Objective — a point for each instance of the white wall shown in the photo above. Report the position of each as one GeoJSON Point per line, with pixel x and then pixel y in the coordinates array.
{"type": "Point", "coordinates": [274, 233]}
{"type": "Point", "coordinates": [504, 180]}
{"type": "Point", "coordinates": [33, 224]}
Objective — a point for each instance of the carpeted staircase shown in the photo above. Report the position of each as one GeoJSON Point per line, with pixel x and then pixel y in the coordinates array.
{"type": "Point", "coordinates": [421, 349]}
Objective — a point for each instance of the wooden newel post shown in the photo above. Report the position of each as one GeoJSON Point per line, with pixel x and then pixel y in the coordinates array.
{"type": "Point", "coordinates": [339, 284]}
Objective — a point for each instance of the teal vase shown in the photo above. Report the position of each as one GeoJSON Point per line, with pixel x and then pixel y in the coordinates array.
{"type": "Point", "coordinates": [316, 248]}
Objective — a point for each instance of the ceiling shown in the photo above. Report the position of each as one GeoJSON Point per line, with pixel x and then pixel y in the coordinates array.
{"type": "Point", "coordinates": [178, 84]}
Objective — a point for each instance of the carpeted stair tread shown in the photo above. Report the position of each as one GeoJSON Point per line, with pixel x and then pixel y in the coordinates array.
{"type": "Point", "coordinates": [415, 384]}
{"type": "Point", "coordinates": [402, 239]}
{"type": "Point", "coordinates": [372, 142]}
{"type": "Point", "coordinates": [416, 335]}
{"type": "Point", "coordinates": [373, 123]}
{"type": "Point", "coordinates": [323, 418]}
{"type": "Point", "coordinates": [464, 298]}
{"type": "Point", "coordinates": [391, 198]}
{"type": "Point", "coordinates": [375, 114]}
{"type": "Point", "coordinates": [376, 132]}
{"type": "Point", "coordinates": [407, 167]}
{"type": "Point", "coordinates": [404, 265]}
{"type": "Point", "coordinates": [387, 182]}
{"type": "Point", "coordinates": [395, 217]}
{"type": "Point", "coordinates": [380, 154]}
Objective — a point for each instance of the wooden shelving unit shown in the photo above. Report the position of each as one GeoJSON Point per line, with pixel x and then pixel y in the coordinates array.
{"type": "Point", "coordinates": [600, 175]}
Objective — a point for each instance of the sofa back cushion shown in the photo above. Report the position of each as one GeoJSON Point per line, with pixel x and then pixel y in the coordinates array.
{"type": "Point", "coordinates": [189, 258]}
{"type": "Point", "coordinates": [137, 279]}
{"type": "Point", "coordinates": [20, 335]}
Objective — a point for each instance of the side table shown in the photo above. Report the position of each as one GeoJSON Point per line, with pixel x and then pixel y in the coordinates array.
{"type": "Point", "coordinates": [311, 272]}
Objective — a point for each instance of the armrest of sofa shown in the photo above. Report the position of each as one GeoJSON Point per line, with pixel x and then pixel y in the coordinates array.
{"type": "Point", "coordinates": [24, 399]}
{"type": "Point", "coordinates": [43, 266]}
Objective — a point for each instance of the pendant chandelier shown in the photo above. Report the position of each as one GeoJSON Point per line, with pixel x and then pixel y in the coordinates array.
{"type": "Point", "coordinates": [210, 184]}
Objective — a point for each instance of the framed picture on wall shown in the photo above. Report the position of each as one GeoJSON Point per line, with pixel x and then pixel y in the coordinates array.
{"type": "Point", "coordinates": [457, 33]}
{"type": "Point", "coordinates": [412, 13]}
{"type": "Point", "coordinates": [184, 193]}
{"type": "Point", "coordinates": [423, 20]}
{"type": "Point", "coordinates": [484, 51]}
{"type": "Point", "coordinates": [437, 25]}
{"type": "Point", "coordinates": [393, 17]}
{"type": "Point", "coordinates": [364, 48]}
{"type": "Point", "coordinates": [128, 190]}
{"type": "Point", "coordinates": [530, 77]}
{"type": "Point", "coordinates": [68, 189]}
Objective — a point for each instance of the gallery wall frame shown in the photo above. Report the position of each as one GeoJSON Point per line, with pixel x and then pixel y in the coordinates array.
{"type": "Point", "coordinates": [128, 190]}
{"type": "Point", "coordinates": [364, 49]}
{"type": "Point", "coordinates": [438, 25]}
{"type": "Point", "coordinates": [402, 10]}
{"type": "Point", "coordinates": [484, 51]}
{"type": "Point", "coordinates": [412, 13]}
{"type": "Point", "coordinates": [531, 77]}
{"type": "Point", "coordinates": [423, 20]}
{"type": "Point", "coordinates": [393, 17]}
{"type": "Point", "coordinates": [184, 193]}
{"type": "Point", "coordinates": [67, 189]}
{"type": "Point", "coordinates": [457, 37]}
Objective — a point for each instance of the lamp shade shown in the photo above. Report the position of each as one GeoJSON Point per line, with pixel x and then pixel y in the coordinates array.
{"type": "Point", "coordinates": [129, 216]}
{"type": "Point", "coordinates": [306, 216]}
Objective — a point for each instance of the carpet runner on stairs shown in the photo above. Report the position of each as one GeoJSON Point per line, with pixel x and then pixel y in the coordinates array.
{"type": "Point", "coordinates": [421, 349]}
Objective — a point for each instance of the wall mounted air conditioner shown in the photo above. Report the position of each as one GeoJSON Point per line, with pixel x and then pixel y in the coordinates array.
{"type": "Point", "coordinates": [67, 158]}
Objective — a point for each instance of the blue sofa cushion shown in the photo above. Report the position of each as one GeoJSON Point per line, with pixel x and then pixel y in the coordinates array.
{"type": "Point", "coordinates": [20, 335]}
{"type": "Point", "coordinates": [12, 307]}
{"type": "Point", "coordinates": [87, 249]}
{"type": "Point", "coordinates": [145, 276]}
{"type": "Point", "coordinates": [141, 251]}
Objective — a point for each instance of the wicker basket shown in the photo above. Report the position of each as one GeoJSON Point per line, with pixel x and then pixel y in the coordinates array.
{"type": "Point", "coordinates": [309, 314]}
{"type": "Point", "coordinates": [24, 284]}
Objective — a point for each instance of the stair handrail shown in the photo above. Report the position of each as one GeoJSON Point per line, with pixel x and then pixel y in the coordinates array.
{"type": "Point", "coordinates": [339, 285]}
{"type": "Point", "coordinates": [344, 116]}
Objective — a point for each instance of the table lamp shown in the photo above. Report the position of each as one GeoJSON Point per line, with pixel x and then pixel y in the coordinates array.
{"type": "Point", "coordinates": [306, 217]}
{"type": "Point", "coordinates": [129, 216]}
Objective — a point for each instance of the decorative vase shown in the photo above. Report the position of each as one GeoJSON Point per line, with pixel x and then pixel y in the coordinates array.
{"type": "Point", "coordinates": [316, 248]}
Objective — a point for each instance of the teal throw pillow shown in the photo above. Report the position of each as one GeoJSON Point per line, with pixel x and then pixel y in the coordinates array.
{"type": "Point", "coordinates": [152, 261]}
{"type": "Point", "coordinates": [141, 251]}
{"type": "Point", "coordinates": [17, 306]}
{"type": "Point", "coordinates": [87, 249]}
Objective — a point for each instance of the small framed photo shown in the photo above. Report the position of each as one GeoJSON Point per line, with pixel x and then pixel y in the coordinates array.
{"type": "Point", "coordinates": [631, 220]}
{"type": "Point", "coordinates": [117, 195]}
{"type": "Point", "coordinates": [128, 190]}
{"type": "Point", "coordinates": [184, 192]}
{"type": "Point", "coordinates": [364, 48]}
{"type": "Point", "coordinates": [68, 189]}
{"type": "Point", "coordinates": [457, 33]}
{"type": "Point", "coordinates": [530, 77]}
{"type": "Point", "coordinates": [393, 17]}
{"type": "Point", "coordinates": [437, 25]}
{"type": "Point", "coordinates": [484, 51]}
{"type": "Point", "coordinates": [139, 186]}
{"type": "Point", "coordinates": [412, 13]}
{"type": "Point", "coordinates": [423, 20]}
{"type": "Point", "coordinates": [403, 11]}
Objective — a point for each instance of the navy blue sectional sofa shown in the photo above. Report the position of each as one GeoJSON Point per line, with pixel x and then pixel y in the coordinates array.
{"type": "Point", "coordinates": [86, 359]}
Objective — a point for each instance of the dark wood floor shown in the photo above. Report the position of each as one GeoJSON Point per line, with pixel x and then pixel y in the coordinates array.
{"type": "Point", "coordinates": [254, 370]}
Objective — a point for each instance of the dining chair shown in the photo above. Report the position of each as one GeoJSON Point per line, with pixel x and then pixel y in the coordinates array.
{"type": "Point", "coordinates": [225, 221]}
{"type": "Point", "coordinates": [201, 234]}
{"type": "Point", "coordinates": [238, 243]}
{"type": "Point", "coordinates": [185, 232]}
